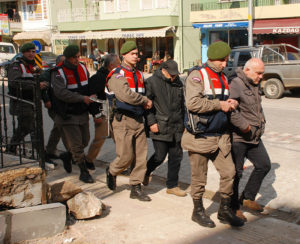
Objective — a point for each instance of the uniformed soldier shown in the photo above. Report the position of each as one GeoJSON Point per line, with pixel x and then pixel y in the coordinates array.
{"type": "Point", "coordinates": [71, 95]}
{"type": "Point", "coordinates": [127, 85]}
{"type": "Point", "coordinates": [207, 101]}
{"type": "Point", "coordinates": [21, 84]}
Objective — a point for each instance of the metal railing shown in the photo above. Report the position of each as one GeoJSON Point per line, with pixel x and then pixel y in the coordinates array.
{"type": "Point", "coordinates": [216, 5]}
{"type": "Point", "coordinates": [28, 148]}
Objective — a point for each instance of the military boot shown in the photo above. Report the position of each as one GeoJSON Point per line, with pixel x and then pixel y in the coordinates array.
{"type": "Point", "coordinates": [137, 193]}
{"type": "Point", "coordinates": [66, 157]}
{"type": "Point", "coordinates": [84, 174]}
{"type": "Point", "coordinates": [226, 214]}
{"type": "Point", "coordinates": [199, 216]}
{"type": "Point", "coordinates": [90, 165]}
{"type": "Point", "coordinates": [110, 180]}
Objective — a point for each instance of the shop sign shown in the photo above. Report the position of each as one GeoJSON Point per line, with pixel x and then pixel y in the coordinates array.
{"type": "Point", "coordinates": [4, 26]}
{"type": "Point", "coordinates": [133, 35]}
{"type": "Point", "coordinates": [221, 25]}
{"type": "Point", "coordinates": [286, 30]}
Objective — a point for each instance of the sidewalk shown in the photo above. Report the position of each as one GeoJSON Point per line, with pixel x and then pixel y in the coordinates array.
{"type": "Point", "coordinates": [166, 219]}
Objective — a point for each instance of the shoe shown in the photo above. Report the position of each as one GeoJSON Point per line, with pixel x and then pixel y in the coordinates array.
{"type": "Point", "coordinates": [176, 191]}
{"type": "Point", "coordinates": [240, 214]}
{"type": "Point", "coordinates": [110, 180]}
{"type": "Point", "coordinates": [90, 165]}
{"type": "Point", "coordinates": [52, 156]}
{"type": "Point", "coordinates": [252, 205]}
{"type": "Point", "coordinates": [147, 180]}
{"type": "Point", "coordinates": [199, 216]}
{"type": "Point", "coordinates": [226, 214]}
{"type": "Point", "coordinates": [84, 174]}
{"type": "Point", "coordinates": [137, 193]}
{"type": "Point", "coordinates": [66, 157]}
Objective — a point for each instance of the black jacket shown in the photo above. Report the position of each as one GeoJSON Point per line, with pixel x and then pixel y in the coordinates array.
{"type": "Point", "coordinates": [97, 86]}
{"type": "Point", "coordinates": [168, 107]}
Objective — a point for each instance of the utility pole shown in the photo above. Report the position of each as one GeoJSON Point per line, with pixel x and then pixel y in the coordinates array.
{"type": "Point", "coordinates": [250, 23]}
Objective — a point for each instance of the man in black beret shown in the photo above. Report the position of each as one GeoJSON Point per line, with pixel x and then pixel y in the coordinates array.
{"type": "Point", "coordinates": [21, 86]}
{"type": "Point", "coordinates": [206, 136]}
{"type": "Point", "coordinates": [71, 98]}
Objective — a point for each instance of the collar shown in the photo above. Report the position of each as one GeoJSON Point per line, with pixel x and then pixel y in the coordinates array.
{"type": "Point", "coordinates": [127, 67]}
{"type": "Point", "coordinates": [213, 67]}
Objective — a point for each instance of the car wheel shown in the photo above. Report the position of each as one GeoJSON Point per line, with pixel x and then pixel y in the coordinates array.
{"type": "Point", "coordinates": [273, 88]}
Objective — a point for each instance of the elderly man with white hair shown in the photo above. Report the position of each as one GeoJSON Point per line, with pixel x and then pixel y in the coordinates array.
{"type": "Point", "coordinates": [248, 122]}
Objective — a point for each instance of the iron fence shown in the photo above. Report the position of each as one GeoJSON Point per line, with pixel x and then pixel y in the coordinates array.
{"type": "Point", "coordinates": [25, 147]}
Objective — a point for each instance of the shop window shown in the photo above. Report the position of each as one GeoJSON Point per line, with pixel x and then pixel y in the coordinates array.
{"type": "Point", "coordinates": [163, 45]}
{"type": "Point", "coordinates": [93, 45]}
{"type": "Point", "coordinates": [145, 45]}
{"type": "Point", "coordinates": [146, 4]}
{"type": "Point", "coordinates": [123, 5]}
{"type": "Point", "coordinates": [109, 6]}
{"type": "Point", "coordinates": [83, 48]}
{"type": "Point", "coordinates": [111, 46]}
{"type": "Point", "coordinates": [121, 42]}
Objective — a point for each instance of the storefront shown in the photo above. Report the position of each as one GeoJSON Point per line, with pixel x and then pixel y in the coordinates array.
{"type": "Point", "coordinates": [148, 40]}
{"type": "Point", "coordinates": [234, 33]}
{"type": "Point", "coordinates": [274, 31]}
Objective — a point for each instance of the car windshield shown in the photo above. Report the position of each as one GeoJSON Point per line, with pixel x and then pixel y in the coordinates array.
{"type": "Point", "coordinates": [6, 49]}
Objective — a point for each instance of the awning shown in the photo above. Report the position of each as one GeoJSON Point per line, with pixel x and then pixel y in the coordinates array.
{"type": "Point", "coordinates": [219, 25]}
{"type": "Point", "coordinates": [43, 36]}
{"type": "Point", "coordinates": [144, 33]}
{"type": "Point", "coordinates": [277, 26]}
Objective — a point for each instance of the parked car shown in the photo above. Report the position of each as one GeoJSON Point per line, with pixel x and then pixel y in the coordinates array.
{"type": "Point", "coordinates": [48, 61]}
{"type": "Point", "coordinates": [282, 66]}
{"type": "Point", "coordinates": [7, 51]}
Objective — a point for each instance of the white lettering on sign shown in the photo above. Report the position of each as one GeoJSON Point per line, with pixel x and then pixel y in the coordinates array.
{"type": "Point", "coordinates": [286, 30]}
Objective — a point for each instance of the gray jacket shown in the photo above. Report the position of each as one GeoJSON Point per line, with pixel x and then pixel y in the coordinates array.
{"type": "Point", "coordinates": [249, 112]}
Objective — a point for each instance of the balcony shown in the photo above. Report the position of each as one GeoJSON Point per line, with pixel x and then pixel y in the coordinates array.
{"type": "Point", "coordinates": [238, 10]}
{"type": "Point", "coordinates": [230, 4]}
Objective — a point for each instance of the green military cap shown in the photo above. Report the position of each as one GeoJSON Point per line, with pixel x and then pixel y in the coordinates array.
{"type": "Point", "coordinates": [127, 47]}
{"type": "Point", "coordinates": [218, 50]}
{"type": "Point", "coordinates": [71, 51]}
{"type": "Point", "coordinates": [27, 46]}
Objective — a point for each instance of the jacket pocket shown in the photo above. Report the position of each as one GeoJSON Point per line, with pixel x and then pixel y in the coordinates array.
{"type": "Point", "coordinates": [162, 122]}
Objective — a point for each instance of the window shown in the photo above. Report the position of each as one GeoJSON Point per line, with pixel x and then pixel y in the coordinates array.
{"type": "Point", "coordinates": [123, 5]}
{"type": "Point", "coordinates": [109, 6]}
{"type": "Point", "coordinates": [111, 46]}
{"type": "Point", "coordinates": [83, 48]}
{"type": "Point", "coordinates": [146, 4]}
{"type": "Point", "coordinates": [162, 3]}
{"type": "Point", "coordinates": [243, 58]}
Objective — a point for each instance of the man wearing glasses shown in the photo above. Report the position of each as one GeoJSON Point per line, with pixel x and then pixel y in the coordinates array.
{"type": "Point", "coordinates": [71, 99]}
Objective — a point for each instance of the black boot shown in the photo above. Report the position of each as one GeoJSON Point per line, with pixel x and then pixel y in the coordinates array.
{"type": "Point", "coordinates": [66, 157]}
{"type": "Point", "coordinates": [226, 214]}
{"type": "Point", "coordinates": [199, 215]}
{"type": "Point", "coordinates": [137, 193]}
{"type": "Point", "coordinates": [90, 165]}
{"type": "Point", "coordinates": [110, 180]}
{"type": "Point", "coordinates": [84, 174]}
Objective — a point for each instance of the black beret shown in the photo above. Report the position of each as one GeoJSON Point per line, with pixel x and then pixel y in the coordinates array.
{"type": "Point", "coordinates": [27, 46]}
{"type": "Point", "coordinates": [71, 51]}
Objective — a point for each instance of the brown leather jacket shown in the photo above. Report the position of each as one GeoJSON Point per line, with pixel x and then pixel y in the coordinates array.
{"type": "Point", "coordinates": [249, 112]}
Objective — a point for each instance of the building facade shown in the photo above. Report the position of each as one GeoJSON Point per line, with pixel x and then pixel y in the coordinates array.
{"type": "Point", "coordinates": [274, 21]}
{"type": "Point", "coordinates": [156, 25]}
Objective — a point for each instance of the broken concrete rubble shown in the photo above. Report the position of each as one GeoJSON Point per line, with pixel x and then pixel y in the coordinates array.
{"type": "Point", "coordinates": [62, 191]}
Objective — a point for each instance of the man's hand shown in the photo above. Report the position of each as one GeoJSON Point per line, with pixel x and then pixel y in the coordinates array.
{"type": "Point", "coordinates": [247, 129]}
{"type": "Point", "coordinates": [154, 128]}
{"type": "Point", "coordinates": [234, 104]}
{"type": "Point", "coordinates": [225, 106]}
{"type": "Point", "coordinates": [98, 120]}
{"type": "Point", "coordinates": [43, 85]}
{"type": "Point", "coordinates": [47, 104]}
{"type": "Point", "coordinates": [87, 99]}
{"type": "Point", "coordinates": [148, 105]}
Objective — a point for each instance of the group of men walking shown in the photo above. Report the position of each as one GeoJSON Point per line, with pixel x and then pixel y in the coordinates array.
{"type": "Point", "coordinates": [206, 116]}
